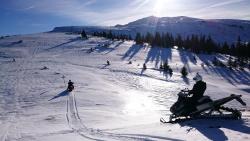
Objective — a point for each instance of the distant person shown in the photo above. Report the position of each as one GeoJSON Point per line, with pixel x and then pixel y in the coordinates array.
{"type": "Point", "coordinates": [108, 63]}
{"type": "Point", "coordinates": [144, 66]}
{"type": "Point", "coordinates": [13, 60]}
{"type": "Point", "coordinates": [70, 86]}
{"type": "Point", "coordinates": [170, 71]}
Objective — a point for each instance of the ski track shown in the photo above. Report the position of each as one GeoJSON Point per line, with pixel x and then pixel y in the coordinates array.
{"type": "Point", "coordinates": [75, 122]}
{"type": "Point", "coordinates": [17, 98]}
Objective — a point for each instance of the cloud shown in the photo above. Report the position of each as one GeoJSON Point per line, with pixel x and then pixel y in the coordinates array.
{"type": "Point", "coordinates": [28, 8]}
{"type": "Point", "coordinates": [92, 12]}
{"type": "Point", "coordinates": [82, 11]}
{"type": "Point", "coordinates": [224, 3]}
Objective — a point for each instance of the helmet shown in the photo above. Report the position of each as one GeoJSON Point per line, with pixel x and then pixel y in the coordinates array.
{"type": "Point", "coordinates": [197, 77]}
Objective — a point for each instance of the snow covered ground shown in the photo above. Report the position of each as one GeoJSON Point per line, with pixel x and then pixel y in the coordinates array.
{"type": "Point", "coordinates": [110, 102]}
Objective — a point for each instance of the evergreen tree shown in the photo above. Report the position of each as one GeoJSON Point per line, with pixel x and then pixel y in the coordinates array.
{"type": "Point", "coordinates": [83, 35]}
{"type": "Point", "coordinates": [225, 48]}
{"type": "Point", "coordinates": [129, 37]}
{"type": "Point", "coordinates": [110, 35]}
{"type": "Point", "coordinates": [149, 38]}
{"type": "Point", "coordinates": [104, 34]}
{"type": "Point", "coordinates": [178, 41]}
{"type": "Point", "coordinates": [138, 38]}
{"type": "Point", "coordinates": [157, 39]}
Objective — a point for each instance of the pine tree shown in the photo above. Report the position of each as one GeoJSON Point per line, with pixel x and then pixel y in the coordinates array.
{"type": "Point", "coordinates": [83, 35]}
{"type": "Point", "coordinates": [110, 35]}
{"type": "Point", "coordinates": [225, 48]}
{"type": "Point", "coordinates": [149, 38]}
{"type": "Point", "coordinates": [178, 41]}
{"type": "Point", "coordinates": [157, 39]}
{"type": "Point", "coordinates": [138, 38]}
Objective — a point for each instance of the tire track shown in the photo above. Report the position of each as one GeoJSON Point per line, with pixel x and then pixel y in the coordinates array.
{"type": "Point", "coordinates": [75, 122]}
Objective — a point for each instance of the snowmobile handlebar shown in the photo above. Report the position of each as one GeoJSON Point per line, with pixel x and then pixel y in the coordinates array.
{"type": "Point", "coordinates": [184, 93]}
{"type": "Point", "coordinates": [238, 98]}
{"type": "Point", "coordinates": [185, 90]}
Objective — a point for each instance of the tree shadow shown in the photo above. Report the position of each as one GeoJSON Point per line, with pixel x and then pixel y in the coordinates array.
{"type": "Point", "coordinates": [108, 47]}
{"type": "Point", "coordinates": [211, 128]}
{"type": "Point", "coordinates": [132, 51]}
{"type": "Point", "coordinates": [64, 93]}
{"type": "Point", "coordinates": [62, 44]}
{"type": "Point", "coordinates": [104, 66]}
{"type": "Point", "coordinates": [233, 76]}
{"type": "Point", "coordinates": [159, 55]}
{"type": "Point", "coordinates": [116, 46]}
{"type": "Point", "coordinates": [186, 57]}
{"type": "Point", "coordinates": [154, 54]}
{"type": "Point", "coordinates": [14, 43]}
{"type": "Point", "coordinates": [186, 80]}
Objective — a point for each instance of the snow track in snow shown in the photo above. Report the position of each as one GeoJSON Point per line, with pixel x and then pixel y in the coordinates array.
{"type": "Point", "coordinates": [75, 122]}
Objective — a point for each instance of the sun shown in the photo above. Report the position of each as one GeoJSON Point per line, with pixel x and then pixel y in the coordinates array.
{"type": "Point", "coordinates": [163, 7]}
{"type": "Point", "coordinates": [158, 7]}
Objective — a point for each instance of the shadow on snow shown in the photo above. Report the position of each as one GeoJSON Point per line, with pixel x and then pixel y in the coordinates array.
{"type": "Point", "coordinates": [233, 76]}
{"type": "Point", "coordinates": [211, 128]}
{"type": "Point", "coordinates": [132, 51]}
{"type": "Point", "coordinates": [159, 55]}
{"type": "Point", "coordinates": [64, 93]}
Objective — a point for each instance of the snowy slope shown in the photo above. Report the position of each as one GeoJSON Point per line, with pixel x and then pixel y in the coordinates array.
{"type": "Point", "coordinates": [115, 102]}
{"type": "Point", "coordinates": [221, 30]}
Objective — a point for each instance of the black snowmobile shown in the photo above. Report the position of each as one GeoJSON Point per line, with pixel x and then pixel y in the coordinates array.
{"type": "Point", "coordinates": [70, 86]}
{"type": "Point", "coordinates": [205, 107]}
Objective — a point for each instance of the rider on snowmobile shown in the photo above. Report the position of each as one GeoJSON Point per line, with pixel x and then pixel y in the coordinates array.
{"type": "Point", "coordinates": [70, 85]}
{"type": "Point", "coordinates": [198, 89]}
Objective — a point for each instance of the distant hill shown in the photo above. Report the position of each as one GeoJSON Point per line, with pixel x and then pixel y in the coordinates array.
{"type": "Point", "coordinates": [221, 30]}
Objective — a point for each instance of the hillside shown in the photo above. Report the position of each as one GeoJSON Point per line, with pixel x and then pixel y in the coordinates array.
{"type": "Point", "coordinates": [120, 101]}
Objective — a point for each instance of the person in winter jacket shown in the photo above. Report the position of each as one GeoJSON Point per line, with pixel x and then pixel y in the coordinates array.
{"type": "Point", "coordinates": [198, 89]}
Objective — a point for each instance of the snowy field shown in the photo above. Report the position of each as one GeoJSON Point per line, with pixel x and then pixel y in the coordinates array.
{"type": "Point", "coordinates": [110, 102]}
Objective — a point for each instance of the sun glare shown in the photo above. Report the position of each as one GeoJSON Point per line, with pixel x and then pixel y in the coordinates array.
{"type": "Point", "coordinates": [158, 7]}
{"type": "Point", "coordinates": [162, 7]}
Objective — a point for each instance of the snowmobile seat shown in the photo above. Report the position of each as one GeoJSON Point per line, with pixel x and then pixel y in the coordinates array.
{"type": "Point", "coordinates": [204, 99]}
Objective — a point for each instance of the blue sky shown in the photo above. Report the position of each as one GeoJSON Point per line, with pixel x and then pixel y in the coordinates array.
{"type": "Point", "coordinates": [29, 16]}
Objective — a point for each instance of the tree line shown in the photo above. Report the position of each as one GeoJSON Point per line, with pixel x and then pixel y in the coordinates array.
{"type": "Point", "coordinates": [112, 36]}
{"type": "Point", "coordinates": [195, 43]}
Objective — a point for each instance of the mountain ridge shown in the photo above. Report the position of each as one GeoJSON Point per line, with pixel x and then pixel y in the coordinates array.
{"type": "Point", "coordinates": [221, 30]}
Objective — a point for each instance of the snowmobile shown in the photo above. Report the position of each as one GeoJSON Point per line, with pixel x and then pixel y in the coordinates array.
{"type": "Point", "coordinates": [70, 88]}
{"type": "Point", "coordinates": [205, 107]}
